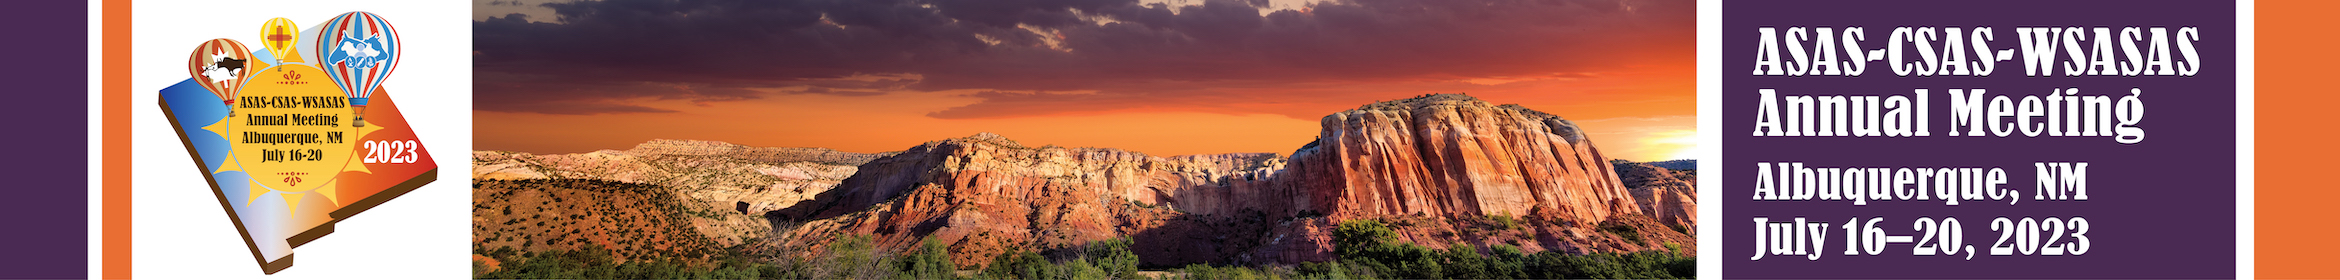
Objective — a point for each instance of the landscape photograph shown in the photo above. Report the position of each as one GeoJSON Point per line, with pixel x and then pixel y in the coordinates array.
{"type": "Point", "coordinates": [1084, 139]}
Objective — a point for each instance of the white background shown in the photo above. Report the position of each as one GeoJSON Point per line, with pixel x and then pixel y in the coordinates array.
{"type": "Point", "coordinates": [180, 231]}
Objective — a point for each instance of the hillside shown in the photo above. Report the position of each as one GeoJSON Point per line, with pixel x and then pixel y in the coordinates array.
{"type": "Point", "coordinates": [1669, 195]}
{"type": "Point", "coordinates": [633, 221]}
{"type": "Point", "coordinates": [1679, 164]}
{"type": "Point", "coordinates": [1439, 169]}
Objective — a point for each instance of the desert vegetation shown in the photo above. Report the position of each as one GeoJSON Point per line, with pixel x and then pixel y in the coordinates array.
{"type": "Point", "coordinates": [854, 257]}
{"type": "Point", "coordinates": [1368, 246]}
{"type": "Point", "coordinates": [969, 208]}
{"type": "Point", "coordinates": [1367, 249]}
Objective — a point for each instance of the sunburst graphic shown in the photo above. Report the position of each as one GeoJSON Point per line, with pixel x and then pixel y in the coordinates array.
{"type": "Point", "coordinates": [294, 186]}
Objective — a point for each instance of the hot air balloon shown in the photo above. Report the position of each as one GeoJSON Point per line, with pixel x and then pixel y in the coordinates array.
{"type": "Point", "coordinates": [358, 50]}
{"type": "Point", "coordinates": [220, 65]}
{"type": "Point", "coordinates": [279, 35]}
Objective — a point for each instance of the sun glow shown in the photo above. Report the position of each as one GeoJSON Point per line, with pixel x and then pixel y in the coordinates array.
{"type": "Point", "coordinates": [1684, 143]}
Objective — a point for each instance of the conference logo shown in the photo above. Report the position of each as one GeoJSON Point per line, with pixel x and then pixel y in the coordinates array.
{"type": "Point", "coordinates": [291, 143]}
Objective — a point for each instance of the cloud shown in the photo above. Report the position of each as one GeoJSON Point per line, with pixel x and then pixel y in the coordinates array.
{"type": "Point", "coordinates": [554, 94]}
{"type": "Point", "coordinates": [1120, 54]}
{"type": "Point", "coordinates": [1643, 119]}
{"type": "Point", "coordinates": [578, 108]}
{"type": "Point", "coordinates": [828, 91]}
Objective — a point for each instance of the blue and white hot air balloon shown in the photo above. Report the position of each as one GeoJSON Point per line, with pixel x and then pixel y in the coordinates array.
{"type": "Point", "coordinates": [358, 49]}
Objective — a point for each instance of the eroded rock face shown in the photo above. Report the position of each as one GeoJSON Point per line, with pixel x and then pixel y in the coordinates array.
{"type": "Point", "coordinates": [1442, 169]}
{"type": "Point", "coordinates": [986, 194]}
{"type": "Point", "coordinates": [1670, 196]}
{"type": "Point", "coordinates": [1444, 165]}
{"type": "Point", "coordinates": [753, 154]}
{"type": "Point", "coordinates": [1453, 155]}
{"type": "Point", "coordinates": [742, 181]}
{"type": "Point", "coordinates": [711, 172]}
{"type": "Point", "coordinates": [1441, 165]}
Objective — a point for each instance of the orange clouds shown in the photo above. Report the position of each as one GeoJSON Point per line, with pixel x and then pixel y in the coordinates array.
{"type": "Point", "coordinates": [1635, 116]}
{"type": "Point", "coordinates": [1206, 77]}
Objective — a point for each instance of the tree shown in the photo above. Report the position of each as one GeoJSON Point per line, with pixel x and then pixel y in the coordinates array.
{"type": "Point", "coordinates": [1018, 264]}
{"type": "Point", "coordinates": [1113, 257]}
{"type": "Point", "coordinates": [930, 261]}
{"type": "Point", "coordinates": [1353, 237]}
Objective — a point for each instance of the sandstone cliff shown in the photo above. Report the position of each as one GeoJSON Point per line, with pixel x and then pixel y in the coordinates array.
{"type": "Point", "coordinates": [1442, 169]}
{"type": "Point", "coordinates": [1453, 155]}
{"type": "Point", "coordinates": [986, 194]}
{"type": "Point", "coordinates": [713, 172]}
{"type": "Point", "coordinates": [746, 181]}
{"type": "Point", "coordinates": [1445, 166]}
{"type": "Point", "coordinates": [1670, 196]}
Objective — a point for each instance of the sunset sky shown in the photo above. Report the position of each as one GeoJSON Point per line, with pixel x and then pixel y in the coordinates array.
{"type": "Point", "coordinates": [1160, 77]}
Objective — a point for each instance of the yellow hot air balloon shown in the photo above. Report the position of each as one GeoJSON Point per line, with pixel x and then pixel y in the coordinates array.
{"type": "Point", "coordinates": [279, 35]}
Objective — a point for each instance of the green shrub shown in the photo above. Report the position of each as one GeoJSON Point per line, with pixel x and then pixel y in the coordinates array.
{"type": "Point", "coordinates": [1333, 270]}
{"type": "Point", "coordinates": [1080, 269]}
{"type": "Point", "coordinates": [1018, 264]}
{"type": "Point", "coordinates": [1113, 257]}
{"type": "Point", "coordinates": [594, 262]}
{"type": "Point", "coordinates": [1105, 259]}
{"type": "Point", "coordinates": [930, 261]}
{"type": "Point", "coordinates": [1366, 250]}
{"type": "Point", "coordinates": [1204, 271]}
{"type": "Point", "coordinates": [1636, 265]}
{"type": "Point", "coordinates": [1504, 221]}
{"type": "Point", "coordinates": [1372, 248]}
{"type": "Point", "coordinates": [1352, 236]}
{"type": "Point", "coordinates": [1622, 230]}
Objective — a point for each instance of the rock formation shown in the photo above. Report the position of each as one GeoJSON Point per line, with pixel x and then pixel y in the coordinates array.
{"type": "Point", "coordinates": [632, 221]}
{"type": "Point", "coordinates": [1676, 165]}
{"type": "Point", "coordinates": [1442, 169]}
{"type": "Point", "coordinates": [1452, 155]}
{"type": "Point", "coordinates": [1670, 196]}
{"type": "Point", "coordinates": [986, 194]}
{"type": "Point", "coordinates": [743, 181]}
{"type": "Point", "coordinates": [1444, 166]}
{"type": "Point", "coordinates": [713, 172]}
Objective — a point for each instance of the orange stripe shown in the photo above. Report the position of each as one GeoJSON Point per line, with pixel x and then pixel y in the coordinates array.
{"type": "Point", "coordinates": [2294, 220]}
{"type": "Point", "coordinates": [116, 110]}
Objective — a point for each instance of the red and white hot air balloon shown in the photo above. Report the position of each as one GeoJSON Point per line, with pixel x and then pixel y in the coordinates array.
{"type": "Point", "coordinates": [221, 65]}
{"type": "Point", "coordinates": [358, 49]}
